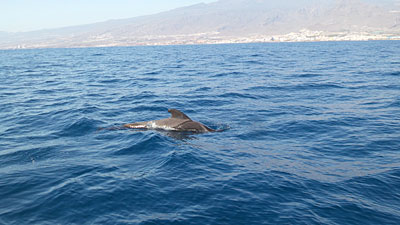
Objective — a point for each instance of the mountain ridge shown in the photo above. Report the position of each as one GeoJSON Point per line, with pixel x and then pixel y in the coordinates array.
{"type": "Point", "coordinates": [224, 21]}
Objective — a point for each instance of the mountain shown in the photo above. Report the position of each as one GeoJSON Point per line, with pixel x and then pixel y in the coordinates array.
{"type": "Point", "coordinates": [226, 21]}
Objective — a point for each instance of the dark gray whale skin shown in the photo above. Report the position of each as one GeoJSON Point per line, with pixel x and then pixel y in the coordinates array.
{"type": "Point", "coordinates": [177, 122]}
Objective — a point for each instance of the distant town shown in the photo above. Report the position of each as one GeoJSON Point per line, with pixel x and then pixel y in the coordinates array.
{"type": "Point", "coordinates": [303, 35]}
{"type": "Point", "coordinates": [214, 38]}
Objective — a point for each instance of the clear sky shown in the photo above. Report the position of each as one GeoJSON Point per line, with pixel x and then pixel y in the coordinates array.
{"type": "Point", "coordinates": [28, 15]}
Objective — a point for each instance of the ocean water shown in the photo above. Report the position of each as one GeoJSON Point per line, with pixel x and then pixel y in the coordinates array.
{"type": "Point", "coordinates": [311, 134]}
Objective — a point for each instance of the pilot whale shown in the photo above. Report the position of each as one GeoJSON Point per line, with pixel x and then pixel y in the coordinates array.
{"type": "Point", "coordinates": [177, 122]}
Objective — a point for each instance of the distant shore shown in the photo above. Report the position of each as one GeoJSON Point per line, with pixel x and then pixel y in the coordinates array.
{"type": "Point", "coordinates": [208, 38]}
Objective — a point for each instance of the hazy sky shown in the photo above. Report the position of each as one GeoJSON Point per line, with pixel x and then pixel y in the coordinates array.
{"type": "Point", "coordinates": [27, 15]}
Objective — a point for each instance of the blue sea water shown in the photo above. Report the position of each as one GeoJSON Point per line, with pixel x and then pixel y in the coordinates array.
{"type": "Point", "coordinates": [311, 134]}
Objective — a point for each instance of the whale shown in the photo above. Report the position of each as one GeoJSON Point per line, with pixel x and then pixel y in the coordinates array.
{"type": "Point", "coordinates": [178, 121]}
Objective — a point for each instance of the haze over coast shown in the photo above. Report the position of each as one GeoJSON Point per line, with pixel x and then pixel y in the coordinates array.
{"type": "Point", "coordinates": [229, 21]}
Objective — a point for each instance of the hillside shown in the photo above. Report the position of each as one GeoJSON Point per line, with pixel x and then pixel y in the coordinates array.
{"type": "Point", "coordinates": [227, 21]}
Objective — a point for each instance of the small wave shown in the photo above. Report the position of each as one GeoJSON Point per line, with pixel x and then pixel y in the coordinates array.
{"type": "Point", "coordinates": [385, 87]}
{"type": "Point", "coordinates": [209, 102]}
{"type": "Point", "coordinates": [57, 65]}
{"type": "Point", "coordinates": [394, 73]}
{"type": "Point", "coordinates": [303, 129]}
{"type": "Point", "coordinates": [256, 55]}
{"type": "Point", "coordinates": [10, 93]}
{"type": "Point", "coordinates": [142, 108]}
{"type": "Point", "coordinates": [259, 88]}
{"type": "Point", "coordinates": [202, 89]}
{"type": "Point", "coordinates": [253, 62]}
{"type": "Point", "coordinates": [44, 92]}
{"type": "Point", "coordinates": [149, 79]}
{"type": "Point", "coordinates": [315, 86]}
{"type": "Point", "coordinates": [4, 68]}
{"type": "Point", "coordinates": [227, 74]}
{"type": "Point", "coordinates": [237, 95]}
{"type": "Point", "coordinates": [219, 126]}
{"type": "Point", "coordinates": [26, 155]}
{"type": "Point", "coordinates": [110, 81]}
{"type": "Point", "coordinates": [299, 87]}
{"type": "Point", "coordinates": [80, 127]}
{"type": "Point", "coordinates": [89, 109]}
{"type": "Point", "coordinates": [149, 142]}
{"type": "Point", "coordinates": [144, 96]}
{"type": "Point", "coordinates": [255, 135]}
{"type": "Point", "coordinates": [179, 160]}
{"type": "Point", "coordinates": [307, 75]}
{"type": "Point", "coordinates": [395, 104]}
{"type": "Point", "coordinates": [176, 66]}
{"type": "Point", "coordinates": [152, 72]}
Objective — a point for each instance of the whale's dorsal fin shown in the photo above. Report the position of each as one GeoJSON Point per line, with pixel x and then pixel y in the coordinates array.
{"type": "Point", "coordinates": [178, 114]}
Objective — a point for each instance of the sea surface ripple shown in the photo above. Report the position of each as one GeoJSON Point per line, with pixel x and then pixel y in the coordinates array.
{"type": "Point", "coordinates": [311, 134]}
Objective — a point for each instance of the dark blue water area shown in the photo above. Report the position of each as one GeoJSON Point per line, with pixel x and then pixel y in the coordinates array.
{"type": "Point", "coordinates": [311, 134]}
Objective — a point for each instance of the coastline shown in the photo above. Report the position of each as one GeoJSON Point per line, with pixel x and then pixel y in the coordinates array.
{"type": "Point", "coordinates": [303, 35]}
